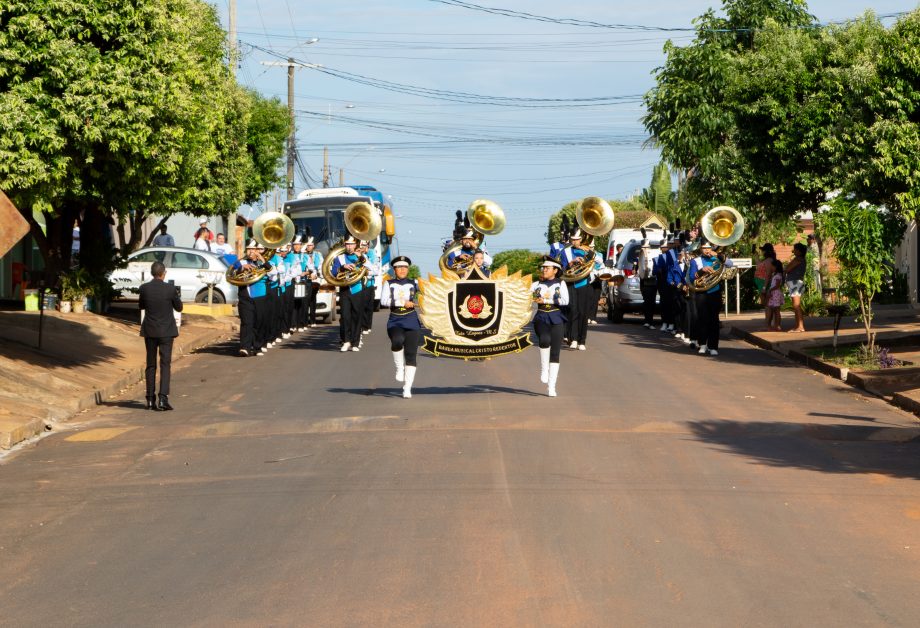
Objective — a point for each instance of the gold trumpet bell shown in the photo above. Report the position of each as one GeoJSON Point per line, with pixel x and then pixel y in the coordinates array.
{"type": "Point", "coordinates": [273, 230]}
{"type": "Point", "coordinates": [723, 225]}
{"type": "Point", "coordinates": [363, 220]}
{"type": "Point", "coordinates": [486, 217]}
{"type": "Point", "coordinates": [595, 216]}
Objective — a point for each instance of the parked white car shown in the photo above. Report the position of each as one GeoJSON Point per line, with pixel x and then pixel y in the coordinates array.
{"type": "Point", "coordinates": [625, 296]}
{"type": "Point", "coordinates": [189, 269]}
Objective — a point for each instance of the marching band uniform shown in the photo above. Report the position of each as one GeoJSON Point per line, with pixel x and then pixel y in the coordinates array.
{"type": "Point", "coordinates": [273, 328]}
{"type": "Point", "coordinates": [251, 306]}
{"type": "Point", "coordinates": [660, 269]}
{"type": "Point", "coordinates": [287, 320]}
{"type": "Point", "coordinates": [373, 271]}
{"type": "Point", "coordinates": [709, 305]}
{"type": "Point", "coordinates": [350, 301]}
{"type": "Point", "coordinates": [302, 285]}
{"type": "Point", "coordinates": [648, 284]}
{"type": "Point", "coordinates": [403, 326]}
{"type": "Point", "coordinates": [549, 323]}
{"type": "Point", "coordinates": [468, 251]}
{"type": "Point", "coordinates": [580, 299]}
{"type": "Point", "coordinates": [313, 263]}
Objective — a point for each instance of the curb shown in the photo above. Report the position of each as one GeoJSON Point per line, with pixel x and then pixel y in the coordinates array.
{"type": "Point", "coordinates": [33, 427]}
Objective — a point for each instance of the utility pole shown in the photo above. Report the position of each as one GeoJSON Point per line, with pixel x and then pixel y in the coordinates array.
{"type": "Point", "coordinates": [325, 166]}
{"type": "Point", "coordinates": [232, 38]}
{"type": "Point", "coordinates": [341, 177]}
{"type": "Point", "coordinates": [291, 65]}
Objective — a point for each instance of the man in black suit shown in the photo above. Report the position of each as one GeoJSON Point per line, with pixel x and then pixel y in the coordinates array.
{"type": "Point", "coordinates": [158, 299]}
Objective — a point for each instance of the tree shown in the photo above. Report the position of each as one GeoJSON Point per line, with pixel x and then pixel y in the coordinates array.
{"type": "Point", "coordinates": [414, 272]}
{"type": "Point", "coordinates": [112, 110]}
{"type": "Point", "coordinates": [864, 239]}
{"type": "Point", "coordinates": [528, 262]}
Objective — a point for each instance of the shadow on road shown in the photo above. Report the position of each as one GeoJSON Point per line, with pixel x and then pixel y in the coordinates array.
{"type": "Point", "coordinates": [641, 337]}
{"type": "Point", "coordinates": [437, 390]}
{"type": "Point", "coordinates": [65, 342]}
{"type": "Point", "coordinates": [893, 451]}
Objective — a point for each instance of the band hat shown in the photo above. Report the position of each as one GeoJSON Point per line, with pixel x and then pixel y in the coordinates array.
{"type": "Point", "coordinates": [252, 244]}
{"type": "Point", "coordinates": [400, 261]}
{"type": "Point", "coordinates": [550, 262]}
{"type": "Point", "coordinates": [298, 239]}
{"type": "Point", "coordinates": [576, 235]}
{"type": "Point", "coordinates": [309, 241]}
{"type": "Point", "coordinates": [469, 234]}
{"type": "Point", "coordinates": [351, 239]}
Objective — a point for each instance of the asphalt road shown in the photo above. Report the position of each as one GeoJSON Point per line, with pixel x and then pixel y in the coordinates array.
{"type": "Point", "coordinates": [660, 488]}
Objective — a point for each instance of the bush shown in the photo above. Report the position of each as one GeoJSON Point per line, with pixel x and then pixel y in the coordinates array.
{"type": "Point", "coordinates": [528, 262]}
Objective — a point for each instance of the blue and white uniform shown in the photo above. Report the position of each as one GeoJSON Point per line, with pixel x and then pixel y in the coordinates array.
{"type": "Point", "coordinates": [708, 304]}
{"type": "Point", "coordinates": [580, 299]}
{"type": "Point", "coordinates": [555, 295]}
{"type": "Point", "coordinates": [351, 303]}
{"type": "Point", "coordinates": [549, 321]}
{"type": "Point", "coordinates": [403, 326]}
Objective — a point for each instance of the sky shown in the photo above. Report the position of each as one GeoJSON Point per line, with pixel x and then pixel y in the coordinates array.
{"type": "Point", "coordinates": [529, 114]}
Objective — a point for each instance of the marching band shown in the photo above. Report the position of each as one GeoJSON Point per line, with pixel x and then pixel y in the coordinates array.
{"type": "Point", "coordinates": [281, 273]}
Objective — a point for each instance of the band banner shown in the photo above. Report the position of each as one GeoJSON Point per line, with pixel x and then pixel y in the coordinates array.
{"type": "Point", "coordinates": [441, 348]}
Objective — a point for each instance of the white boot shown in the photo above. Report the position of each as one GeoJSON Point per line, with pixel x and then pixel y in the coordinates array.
{"type": "Point", "coordinates": [553, 375]}
{"type": "Point", "coordinates": [407, 386]}
{"type": "Point", "coordinates": [544, 365]}
{"type": "Point", "coordinates": [399, 359]}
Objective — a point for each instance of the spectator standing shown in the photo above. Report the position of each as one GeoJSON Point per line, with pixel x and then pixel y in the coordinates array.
{"type": "Point", "coordinates": [163, 238]}
{"type": "Point", "coordinates": [815, 267]}
{"type": "Point", "coordinates": [795, 284]}
{"type": "Point", "coordinates": [762, 274]}
{"type": "Point", "coordinates": [202, 243]}
{"type": "Point", "coordinates": [775, 297]}
{"type": "Point", "coordinates": [157, 302]}
{"type": "Point", "coordinates": [203, 224]}
{"type": "Point", "coordinates": [222, 247]}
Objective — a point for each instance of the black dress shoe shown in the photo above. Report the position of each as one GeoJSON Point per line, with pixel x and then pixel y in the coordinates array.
{"type": "Point", "coordinates": [164, 403]}
{"type": "Point", "coordinates": [152, 403]}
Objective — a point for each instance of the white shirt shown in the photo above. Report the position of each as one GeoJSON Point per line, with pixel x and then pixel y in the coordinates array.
{"type": "Point", "coordinates": [222, 249]}
{"type": "Point", "coordinates": [202, 245]}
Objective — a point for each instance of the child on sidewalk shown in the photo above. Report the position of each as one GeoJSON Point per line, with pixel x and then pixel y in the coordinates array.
{"type": "Point", "coordinates": [775, 297]}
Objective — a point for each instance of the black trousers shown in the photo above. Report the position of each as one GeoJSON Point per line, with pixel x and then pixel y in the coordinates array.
{"type": "Point", "coordinates": [709, 319]}
{"type": "Point", "coordinates": [666, 293]}
{"type": "Point", "coordinates": [680, 310]}
{"type": "Point", "coordinates": [164, 346]}
{"type": "Point", "coordinates": [247, 310]}
{"type": "Point", "coordinates": [649, 291]}
{"type": "Point", "coordinates": [301, 305]}
{"type": "Point", "coordinates": [352, 306]}
{"type": "Point", "coordinates": [596, 287]}
{"type": "Point", "coordinates": [287, 302]}
{"type": "Point", "coordinates": [549, 336]}
{"type": "Point", "coordinates": [405, 340]}
{"type": "Point", "coordinates": [274, 312]}
{"type": "Point", "coordinates": [581, 297]}
{"type": "Point", "coordinates": [263, 321]}
{"type": "Point", "coordinates": [367, 319]}
{"type": "Point", "coordinates": [311, 303]}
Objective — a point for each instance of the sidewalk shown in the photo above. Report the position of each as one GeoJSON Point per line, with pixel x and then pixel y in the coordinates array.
{"type": "Point", "coordinates": [896, 327]}
{"type": "Point", "coordinates": [85, 359]}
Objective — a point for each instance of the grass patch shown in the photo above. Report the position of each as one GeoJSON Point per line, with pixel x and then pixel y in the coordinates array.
{"type": "Point", "coordinates": [856, 356]}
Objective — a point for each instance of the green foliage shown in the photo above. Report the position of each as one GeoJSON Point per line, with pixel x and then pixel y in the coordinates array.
{"type": "Point", "coordinates": [864, 240]}
{"type": "Point", "coordinates": [75, 284]}
{"type": "Point", "coordinates": [128, 108]}
{"type": "Point", "coordinates": [414, 272]}
{"type": "Point", "coordinates": [528, 262]}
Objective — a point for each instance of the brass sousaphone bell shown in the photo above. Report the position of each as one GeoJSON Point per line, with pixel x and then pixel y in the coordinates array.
{"type": "Point", "coordinates": [595, 218]}
{"type": "Point", "coordinates": [271, 230]}
{"type": "Point", "coordinates": [722, 226]}
{"type": "Point", "coordinates": [486, 218]}
{"type": "Point", "coordinates": [363, 221]}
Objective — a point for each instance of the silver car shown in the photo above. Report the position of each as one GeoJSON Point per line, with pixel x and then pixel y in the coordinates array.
{"type": "Point", "coordinates": [627, 296]}
{"type": "Point", "coordinates": [190, 269]}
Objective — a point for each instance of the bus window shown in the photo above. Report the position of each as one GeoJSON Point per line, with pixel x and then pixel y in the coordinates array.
{"type": "Point", "coordinates": [316, 224]}
{"type": "Point", "coordinates": [337, 224]}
